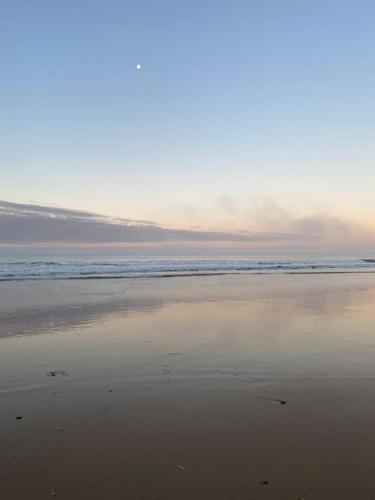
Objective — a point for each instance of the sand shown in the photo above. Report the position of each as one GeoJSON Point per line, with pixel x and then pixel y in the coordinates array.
{"type": "Point", "coordinates": [230, 387]}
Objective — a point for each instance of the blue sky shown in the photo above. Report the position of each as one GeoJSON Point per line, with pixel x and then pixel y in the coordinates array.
{"type": "Point", "coordinates": [239, 105]}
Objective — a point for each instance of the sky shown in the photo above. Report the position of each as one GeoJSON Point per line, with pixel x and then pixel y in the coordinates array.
{"type": "Point", "coordinates": [247, 116]}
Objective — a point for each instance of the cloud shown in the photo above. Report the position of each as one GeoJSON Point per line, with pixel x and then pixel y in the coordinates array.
{"type": "Point", "coordinates": [35, 224]}
{"type": "Point", "coordinates": [317, 228]}
{"type": "Point", "coordinates": [273, 227]}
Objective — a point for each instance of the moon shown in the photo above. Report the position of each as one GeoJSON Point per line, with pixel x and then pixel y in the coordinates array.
{"type": "Point", "coordinates": [138, 67]}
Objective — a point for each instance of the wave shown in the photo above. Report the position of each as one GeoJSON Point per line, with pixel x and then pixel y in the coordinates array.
{"type": "Point", "coordinates": [32, 269]}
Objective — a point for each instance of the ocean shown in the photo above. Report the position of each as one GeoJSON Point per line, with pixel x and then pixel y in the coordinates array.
{"type": "Point", "coordinates": [90, 266]}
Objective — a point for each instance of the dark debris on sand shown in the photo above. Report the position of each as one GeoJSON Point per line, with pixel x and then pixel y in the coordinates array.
{"type": "Point", "coordinates": [54, 373]}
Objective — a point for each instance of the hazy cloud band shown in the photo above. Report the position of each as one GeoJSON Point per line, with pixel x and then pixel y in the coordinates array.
{"type": "Point", "coordinates": [34, 224]}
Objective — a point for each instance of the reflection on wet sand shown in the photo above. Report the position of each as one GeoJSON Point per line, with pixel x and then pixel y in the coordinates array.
{"type": "Point", "coordinates": [45, 307]}
{"type": "Point", "coordinates": [231, 387]}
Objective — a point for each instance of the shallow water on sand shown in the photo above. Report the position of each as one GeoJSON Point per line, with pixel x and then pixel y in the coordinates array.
{"type": "Point", "coordinates": [224, 387]}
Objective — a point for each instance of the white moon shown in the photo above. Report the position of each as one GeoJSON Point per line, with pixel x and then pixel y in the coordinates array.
{"type": "Point", "coordinates": [138, 66]}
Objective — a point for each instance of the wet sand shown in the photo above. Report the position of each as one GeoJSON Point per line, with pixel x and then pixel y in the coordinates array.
{"type": "Point", "coordinates": [229, 387]}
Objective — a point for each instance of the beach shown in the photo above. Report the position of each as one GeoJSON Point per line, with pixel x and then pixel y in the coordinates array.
{"type": "Point", "coordinates": [250, 386]}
